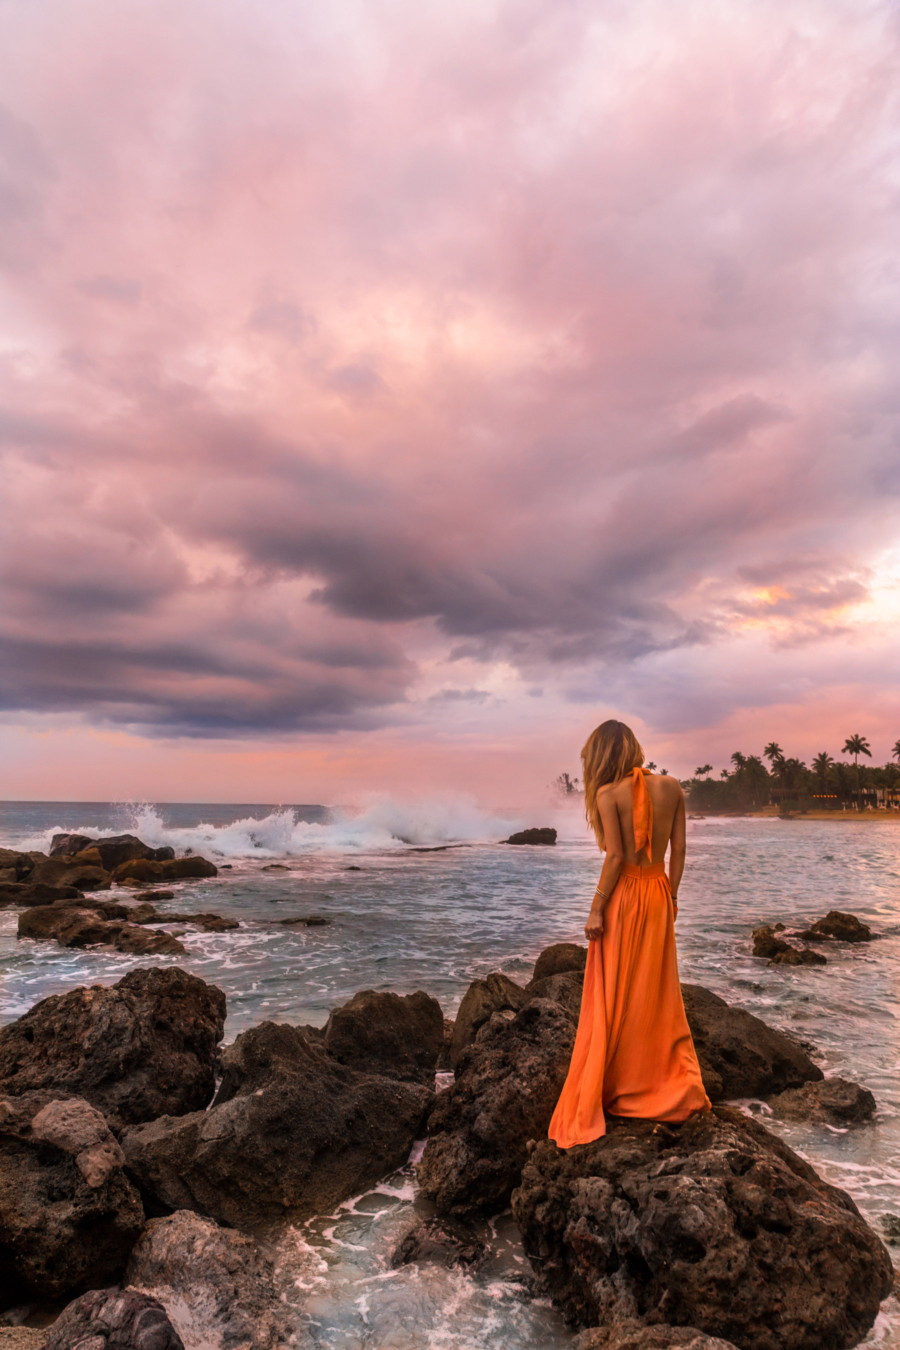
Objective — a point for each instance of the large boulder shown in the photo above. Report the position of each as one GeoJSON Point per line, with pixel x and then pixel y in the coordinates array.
{"type": "Point", "coordinates": [843, 927]}
{"type": "Point", "coordinates": [565, 988]}
{"type": "Point", "coordinates": [142, 1048]}
{"type": "Point", "coordinates": [714, 1224]}
{"type": "Point", "coordinates": [86, 876]}
{"type": "Point", "coordinates": [506, 1088]}
{"type": "Point", "coordinates": [481, 1000]}
{"type": "Point", "coordinates": [68, 1214]}
{"type": "Point", "coordinates": [16, 866]}
{"type": "Point", "coordinates": [834, 1101]}
{"type": "Point", "coordinates": [175, 869]}
{"type": "Point", "coordinates": [71, 925]}
{"type": "Point", "coordinates": [114, 849]}
{"type": "Point", "coordinates": [740, 1056]}
{"type": "Point", "coordinates": [21, 894]}
{"type": "Point", "coordinates": [113, 1319]}
{"type": "Point", "coordinates": [291, 1133]}
{"type": "Point", "coordinates": [560, 958]}
{"type": "Point", "coordinates": [398, 1036]}
{"type": "Point", "coordinates": [218, 1285]}
{"type": "Point", "coordinates": [537, 834]}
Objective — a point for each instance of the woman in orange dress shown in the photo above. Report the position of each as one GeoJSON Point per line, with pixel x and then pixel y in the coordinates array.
{"type": "Point", "coordinates": [633, 1053]}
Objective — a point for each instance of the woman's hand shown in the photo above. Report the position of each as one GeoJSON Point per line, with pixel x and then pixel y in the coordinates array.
{"type": "Point", "coordinates": [593, 929]}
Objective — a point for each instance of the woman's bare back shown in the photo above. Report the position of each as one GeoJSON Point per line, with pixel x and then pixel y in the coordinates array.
{"type": "Point", "coordinates": [668, 816]}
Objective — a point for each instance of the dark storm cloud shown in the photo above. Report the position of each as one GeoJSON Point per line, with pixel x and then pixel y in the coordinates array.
{"type": "Point", "coordinates": [347, 349]}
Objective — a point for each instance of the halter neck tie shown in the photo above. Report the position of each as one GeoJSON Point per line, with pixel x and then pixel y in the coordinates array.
{"type": "Point", "coordinates": [642, 813]}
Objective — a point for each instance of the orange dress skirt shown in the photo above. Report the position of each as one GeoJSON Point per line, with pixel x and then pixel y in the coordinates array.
{"type": "Point", "coordinates": [633, 1052]}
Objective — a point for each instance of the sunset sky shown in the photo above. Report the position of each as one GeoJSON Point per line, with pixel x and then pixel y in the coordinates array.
{"type": "Point", "coordinates": [392, 391]}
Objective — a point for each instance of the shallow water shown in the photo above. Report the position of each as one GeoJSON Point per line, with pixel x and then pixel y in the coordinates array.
{"type": "Point", "coordinates": [406, 920]}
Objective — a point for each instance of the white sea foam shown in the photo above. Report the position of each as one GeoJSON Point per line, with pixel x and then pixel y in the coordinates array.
{"type": "Point", "coordinates": [378, 823]}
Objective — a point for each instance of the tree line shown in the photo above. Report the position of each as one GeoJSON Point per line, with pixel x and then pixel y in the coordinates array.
{"type": "Point", "coordinates": [751, 783]}
{"type": "Point", "coordinates": [825, 782]}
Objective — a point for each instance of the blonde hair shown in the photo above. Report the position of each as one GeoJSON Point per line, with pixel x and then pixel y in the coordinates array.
{"type": "Point", "coordinates": [609, 755]}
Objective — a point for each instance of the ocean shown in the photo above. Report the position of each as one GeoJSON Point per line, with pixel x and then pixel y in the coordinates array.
{"type": "Point", "coordinates": [424, 896]}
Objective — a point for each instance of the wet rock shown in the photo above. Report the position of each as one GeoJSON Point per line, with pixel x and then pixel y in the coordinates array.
{"type": "Point", "coordinates": [481, 999]}
{"type": "Point", "coordinates": [21, 864]}
{"type": "Point", "coordinates": [635, 1335]}
{"type": "Point", "coordinates": [540, 835]}
{"type": "Point", "coordinates": [69, 872]}
{"type": "Point", "coordinates": [440, 1241]}
{"type": "Point", "coordinates": [714, 1224]}
{"type": "Point", "coordinates": [66, 845]}
{"type": "Point", "coordinates": [564, 988]}
{"type": "Point", "coordinates": [890, 1224]}
{"type": "Point", "coordinates": [834, 1101]}
{"type": "Point", "coordinates": [138, 941]}
{"type": "Point", "coordinates": [210, 923]}
{"type": "Point", "coordinates": [217, 1284]}
{"type": "Point", "coordinates": [801, 956]}
{"type": "Point", "coordinates": [308, 920]}
{"type": "Point", "coordinates": [114, 849]}
{"type": "Point", "coordinates": [505, 1091]}
{"type": "Point", "coordinates": [275, 867]}
{"type": "Point", "coordinates": [22, 894]}
{"type": "Point", "coordinates": [291, 1133]}
{"type": "Point", "coordinates": [69, 925]}
{"type": "Point", "coordinates": [146, 896]}
{"type": "Point", "coordinates": [142, 1048]}
{"type": "Point", "coordinates": [113, 1319]}
{"type": "Point", "coordinates": [740, 1056]}
{"type": "Point", "coordinates": [844, 927]}
{"type": "Point", "coordinates": [399, 1036]}
{"type": "Point", "coordinates": [766, 944]}
{"type": "Point", "coordinates": [561, 957]}
{"type": "Point", "coordinates": [176, 869]}
{"type": "Point", "coordinates": [68, 1214]}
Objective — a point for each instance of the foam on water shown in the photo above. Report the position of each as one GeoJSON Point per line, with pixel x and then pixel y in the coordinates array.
{"type": "Point", "coordinates": [380, 822]}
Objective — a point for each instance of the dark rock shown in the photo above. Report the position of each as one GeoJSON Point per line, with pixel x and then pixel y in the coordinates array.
{"type": "Point", "coordinates": [210, 923]}
{"type": "Point", "coordinates": [834, 1101]}
{"type": "Point", "coordinates": [23, 894]}
{"type": "Point", "coordinates": [113, 1319]}
{"type": "Point", "coordinates": [12, 861]}
{"type": "Point", "coordinates": [542, 835]}
{"type": "Point", "coordinates": [564, 988]}
{"type": "Point", "coordinates": [138, 941]}
{"type": "Point", "coordinates": [766, 944]}
{"type": "Point", "coordinates": [68, 1214]}
{"type": "Point", "coordinates": [275, 867]}
{"type": "Point", "coordinates": [176, 869]}
{"type": "Point", "coordinates": [309, 920]}
{"type": "Point", "coordinates": [69, 925]}
{"type": "Point", "coordinates": [561, 957]}
{"type": "Point", "coordinates": [740, 1056]}
{"type": "Point", "coordinates": [634, 1335]}
{"type": "Point", "coordinates": [714, 1224]}
{"type": "Point", "coordinates": [66, 845]}
{"type": "Point", "coordinates": [801, 956]}
{"type": "Point", "coordinates": [844, 927]}
{"type": "Point", "coordinates": [70, 872]}
{"type": "Point", "coordinates": [890, 1224]}
{"type": "Point", "coordinates": [146, 896]}
{"type": "Point", "coordinates": [481, 999]}
{"type": "Point", "coordinates": [398, 1036]}
{"type": "Point", "coordinates": [217, 1284]}
{"type": "Point", "coordinates": [143, 914]}
{"type": "Point", "coordinates": [291, 1133]}
{"type": "Point", "coordinates": [505, 1091]}
{"type": "Point", "coordinates": [440, 1241]}
{"type": "Point", "coordinates": [144, 1047]}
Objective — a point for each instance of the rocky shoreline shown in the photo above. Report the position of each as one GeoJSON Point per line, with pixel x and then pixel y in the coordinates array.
{"type": "Point", "coordinates": [145, 1171]}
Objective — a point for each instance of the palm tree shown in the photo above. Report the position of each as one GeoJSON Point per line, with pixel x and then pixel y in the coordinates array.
{"type": "Point", "coordinates": [856, 746]}
{"type": "Point", "coordinates": [703, 770]}
{"type": "Point", "coordinates": [773, 751]}
{"type": "Point", "coordinates": [739, 760]}
{"type": "Point", "coordinates": [896, 750]}
{"type": "Point", "coordinates": [821, 766]}
{"type": "Point", "coordinates": [651, 766]}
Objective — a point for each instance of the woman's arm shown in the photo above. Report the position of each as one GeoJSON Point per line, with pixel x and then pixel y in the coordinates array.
{"type": "Point", "coordinates": [612, 863]}
{"type": "Point", "coordinates": [678, 842]}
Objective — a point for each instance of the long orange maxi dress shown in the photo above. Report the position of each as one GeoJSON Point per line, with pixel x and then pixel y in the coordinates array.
{"type": "Point", "coordinates": [633, 1053]}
